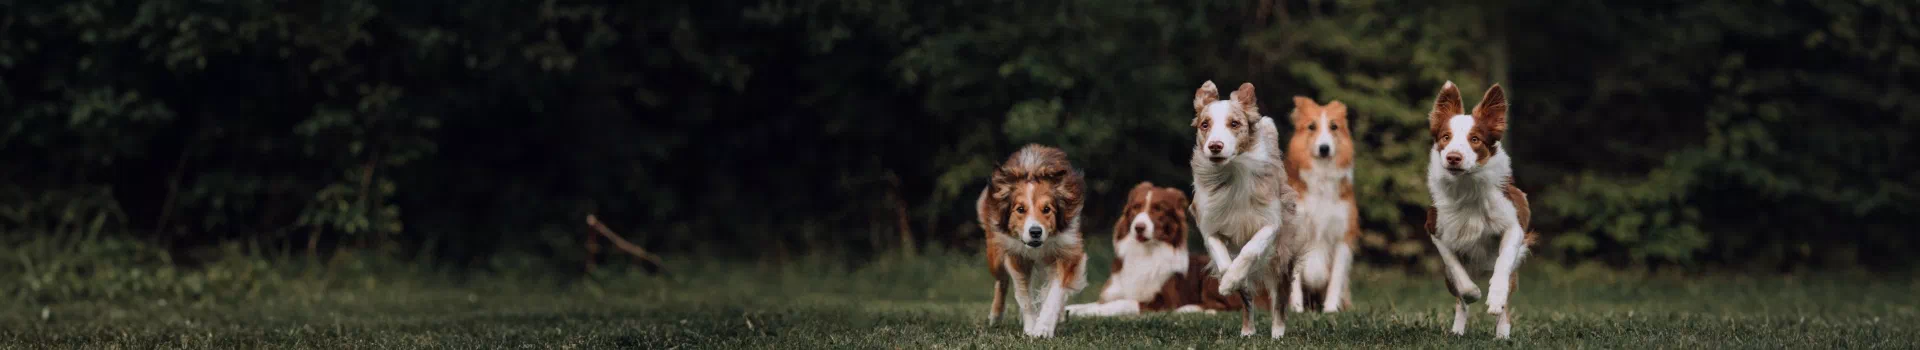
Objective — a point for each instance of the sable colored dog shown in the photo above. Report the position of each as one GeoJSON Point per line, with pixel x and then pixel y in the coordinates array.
{"type": "Point", "coordinates": [1152, 270]}
{"type": "Point", "coordinates": [1320, 167]}
{"type": "Point", "coordinates": [1031, 214]}
{"type": "Point", "coordinates": [1479, 220]}
{"type": "Point", "coordinates": [1242, 199]}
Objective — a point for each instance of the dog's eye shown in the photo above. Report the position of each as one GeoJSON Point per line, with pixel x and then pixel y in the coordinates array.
{"type": "Point", "coordinates": [1475, 140]}
{"type": "Point", "coordinates": [1311, 127]}
{"type": "Point", "coordinates": [1233, 124]}
{"type": "Point", "coordinates": [1334, 127]}
{"type": "Point", "coordinates": [1206, 124]}
{"type": "Point", "coordinates": [1020, 209]}
{"type": "Point", "coordinates": [1046, 210]}
{"type": "Point", "coordinates": [1446, 137]}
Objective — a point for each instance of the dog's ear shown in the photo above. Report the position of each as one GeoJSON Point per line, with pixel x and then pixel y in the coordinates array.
{"type": "Point", "coordinates": [1244, 96]}
{"type": "Point", "coordinates": [1492, 113]}
{"type": "Point", "coordinates": [1069, 192]}
{"type": "Point", "coordinates": [1445, 107]}
{"type": "Point", "coordinates": [1303, 108]}
{"type": "Point", "coordinates": [1205, 96]}
{"type": "Point", "coordinates": [1180, 204]}
{"type": "Point", "coordinates": [1335, 110]}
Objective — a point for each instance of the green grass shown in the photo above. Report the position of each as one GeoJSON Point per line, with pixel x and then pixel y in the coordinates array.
{"type": "Point", "coordinates": [940, 301]}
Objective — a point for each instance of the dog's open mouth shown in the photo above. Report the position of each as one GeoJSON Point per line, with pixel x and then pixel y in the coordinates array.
{"type": "Point", "coordinates": [1457, 171]}
{"type": "Point", "coordinates": [1033, 243]}
{"type": "Point", "coordinates": [1217, 159]}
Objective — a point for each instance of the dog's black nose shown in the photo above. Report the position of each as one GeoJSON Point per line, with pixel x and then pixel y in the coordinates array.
{"type": "Point", "coordinates": [1034, 232]}
{"type": "Point", "coordinates": [1216, 146]}
{"type": "Point", "coordinates": [1326, 150]}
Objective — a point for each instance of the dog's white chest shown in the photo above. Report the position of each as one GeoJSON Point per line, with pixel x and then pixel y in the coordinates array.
{"type": "Point", "coordinates": [1323, 213]}
{"type": "Point", "coordinates": [1146, 268]}
{"type": "Point", "coordinates": [1473, 231]}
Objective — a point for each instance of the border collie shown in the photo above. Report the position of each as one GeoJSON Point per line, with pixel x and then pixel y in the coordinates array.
{"type": "Point", "coordinates": [1152, 270]}
{"type": "Point", "coordinates": [1031, 215]}
{"type": "Point", "coordinates": [1320, 167]}
{"type": "Point", "coordinates": [1479, 220]}
{"type": "Point", "coordinates": [1242, 199]}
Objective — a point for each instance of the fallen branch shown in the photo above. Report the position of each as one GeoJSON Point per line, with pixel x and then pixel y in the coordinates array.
{"type": "Point", "coordinates": [630, 248]}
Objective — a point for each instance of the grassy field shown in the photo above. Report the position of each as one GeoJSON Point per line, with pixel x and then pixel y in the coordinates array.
{"type": "Point", "coordinates": [940, 302]}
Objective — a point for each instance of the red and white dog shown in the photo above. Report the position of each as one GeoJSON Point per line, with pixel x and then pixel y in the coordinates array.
{"type": "Point", "coordinates": [1031, 215]}
{"type": "Point", "coordinates": [1152, 270]}
{"type": "Point", "coordinates": [1320, 165]}
{"type": "Point", "coordinates": [1242, 199]}
{"type": "Point", "coordinates": [1479, 220]}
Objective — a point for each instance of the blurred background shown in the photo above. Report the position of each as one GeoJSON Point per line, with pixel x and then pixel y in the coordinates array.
{"type": "Point", "coordinates": [216, 143]}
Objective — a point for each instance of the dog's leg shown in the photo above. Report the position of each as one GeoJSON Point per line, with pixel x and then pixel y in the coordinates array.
{"type": "Point", "coordinates": [1022, 294]}
{"type": "Point", "coordinates": [1297, 299]}
{"type": "Point", "coordinates": [1190, 308]}
{"type": "Point", "coordinates": [1050, 308]}
{"type": "Point", "coordinates": [1254, 254]}
{"type": "Point", "coordinates": [1337, 284]}
{"type": "Point", "coordinates": [1459, 316]}
{"type": "Point", "coordinates": [1113, 308]}
{"type": "Point", "coordinates": [1246, 314]}
{"type": "Point", "coordinates": [1505, 327]}
{"type": "Point", "coordinates": [999, 302]}
{"type": "Point", "coordinates": [1511, 251]}
{"type": "Point", "coordinates": [1457, 279]}
{"type": "Point", "coordinates": [1218, 253]}
{"type": "Point", "coordinates": [1279, 313]}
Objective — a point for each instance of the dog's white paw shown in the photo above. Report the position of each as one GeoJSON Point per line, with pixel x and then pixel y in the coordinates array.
{"type": "Point", "coordinates": [1040, 331]}
{"type": "Point", "coordinates": [1497, 304]}
{"type": "Point", "coordinates": [1332, 307]}
{"type": "Point", "coordinates": [1247, 332]}
{"type": "Point", "coordinates": [1297, 306]}
{"type": "Point", "coordinates": [1235, 275]}
{"type": "Point", "coordinates": [1279, 332]}
{"type": "Point", "coordinates": [1079, 309]}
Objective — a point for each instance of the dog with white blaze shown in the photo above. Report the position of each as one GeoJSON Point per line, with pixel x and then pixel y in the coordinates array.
{"type": "Point", "coordinates": [1241, 196]}
{"type": "Point", "coordinates": [1152, 269]}
{"type": "Point", "coordinates": [1479, 219]}
{"type": "Point", "coordinates": [1031, 215]}
{"type": "Point", "coordinates": [1320, 167]}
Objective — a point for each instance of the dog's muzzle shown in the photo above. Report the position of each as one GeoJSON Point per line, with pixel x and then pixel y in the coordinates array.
{"type": "Point", "coordinates": [1033, 236]}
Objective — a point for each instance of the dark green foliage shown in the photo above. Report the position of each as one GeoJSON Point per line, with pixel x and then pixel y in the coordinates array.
{"type": "Point", "coordinates": [480, 133]}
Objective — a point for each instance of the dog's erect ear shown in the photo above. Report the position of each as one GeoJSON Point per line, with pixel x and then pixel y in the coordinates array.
{"type": "Point", "coordinates": [1244, 96]}
{"type": "Point", "coordinates": [1492, 112]}
{"type": "Point", "coordinates": [1205, 96]}
{"type": "Point", "coordinates": [1303, 107]}
{"type": "Point", "coordinates": [1335, 110]}
{"type": "Point", "coordinates": [1445, 107]}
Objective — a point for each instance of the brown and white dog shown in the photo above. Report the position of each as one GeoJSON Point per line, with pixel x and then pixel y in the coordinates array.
{"type": "Point", "coordinates": [1152, 270]}
{"type": "Point", "coordinates": [1242, 199]}
{"type": "Point", "coordinates": [1320, 165]}
{"type": "Point", "coordinates": [1479, 220]}
{"type": "Point", "coordinates": [1031, 215]}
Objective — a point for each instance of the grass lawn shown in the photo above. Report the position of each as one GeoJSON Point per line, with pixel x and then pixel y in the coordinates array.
{"type": "Point", "coordinates": [941, 301]}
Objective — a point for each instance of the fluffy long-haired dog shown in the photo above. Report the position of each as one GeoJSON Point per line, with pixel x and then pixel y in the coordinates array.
{"type": "Point", "coordinates": [1241, 195]}
{"type": "Point", "coordinates": [1479, 220]}
{"type": "Point", "coordinates": [1031, 215]}
{"type": "Point", "coordinates": [1152, 270]}
{"type": "Point", "coordinates": [1320, 167]}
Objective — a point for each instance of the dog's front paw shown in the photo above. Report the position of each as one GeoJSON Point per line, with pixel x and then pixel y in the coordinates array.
{"type": "Point", "coordinates": [1471, 295]}
{"type": "Point", "coordinates": [1079, 309]}
{"type": "Point", "coordinates": [1332, 307]}
{"type": "Point", "coordinates": [1040, 331]}
{"type": "Point", "coordinates": [1497, 301]}
{"type": "Point", "coordinates": [1235, 275]}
